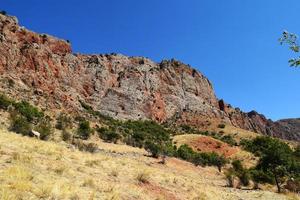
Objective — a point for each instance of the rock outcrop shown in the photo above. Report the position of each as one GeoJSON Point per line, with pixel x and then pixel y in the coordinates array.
{"type": "Point", "coordinates": [42, 69]}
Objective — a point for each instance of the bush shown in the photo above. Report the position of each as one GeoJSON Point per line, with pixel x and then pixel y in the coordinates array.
{"type": "Point", "coordinates": [297, 152]}
{"type": "Point", "coordinates": [84, 130]}
{"type": "Point", "coordinates": [229, 140]}
{"type": "Point", "coordinates": [230, 178]}
{"type": "Point", "coordinates": [154, 149]}
{"type": "Point", "coordinates": [44, 128]}
{"type": "Point", "coordinates": [143, 177]}
{"type": "Point", "coordinates": [260, 176]}
{"type": "Point", "coordinates": [5, 102]}
{"type": "Point", "coordinates": [65, 135]}
{"type": "Point", "coordinates": [138, 132]}
{"type": "Point", "coordinates": [221, 126]}
{"type": "Point", "coordinates": [30, 112]}
{"type": "Point", "coordinates": [63, 122]}
{"type": "Point", "coordinates": [216, 160]}
{"type": "Point", "coordinates": [108, 135]}
{"type": "Point", "coordinates": [89, 147]}
{"type": "Point", "coordinates": [19, 124]}
{"type": "Point", "coordinates": [237, 170]}
{"type": "Point", "coordinates": [244, 177]}
{"type": "Point", "coordinates": [185, 152]}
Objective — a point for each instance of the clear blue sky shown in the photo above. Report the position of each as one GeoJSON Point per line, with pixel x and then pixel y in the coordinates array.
{"type": "Point", "coordinates": [233, 42]}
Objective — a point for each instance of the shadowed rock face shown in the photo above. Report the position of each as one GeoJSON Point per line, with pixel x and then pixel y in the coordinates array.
{"type": "Point", "coordinates": [287, 128]}
{"type": "Point", "coordinates": [42, 69]}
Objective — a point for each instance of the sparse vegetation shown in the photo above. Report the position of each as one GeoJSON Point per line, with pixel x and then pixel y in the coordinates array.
{"type": "Point", "coordinates": [239, 171]}
{"type": "Point", "coordinates": [83, 146]}
{"type": "Point", "coordinates": [84, 130]}
{"type": "Point", "coordinates": [221, 126]}
{"type": "Point", "coordinates": [19, 124]}
{"type": "Point", "coordinates": [5, 102]}
{"type": "Point", "coordinates": [64, 122]}
{"type": "Point", "coordinates": [143, 177]}
{"type": "Point", "coordinates": [31, 113]}
{"type": "Point", "coordinates": [219, 136]}
{"type": "Point", "coordinates": [44, 127]}
{"type": "Point", "coordinates": [204, 159]}
{"type": "Point", "coordinates": [65, 135]}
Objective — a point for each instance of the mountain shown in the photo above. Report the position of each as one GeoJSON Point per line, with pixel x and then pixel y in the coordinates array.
{"type": "Point", "coordinates": [43, 69]}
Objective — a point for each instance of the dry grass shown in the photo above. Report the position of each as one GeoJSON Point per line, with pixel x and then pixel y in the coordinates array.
{"type": "Point", "coordinates": [33, 169]}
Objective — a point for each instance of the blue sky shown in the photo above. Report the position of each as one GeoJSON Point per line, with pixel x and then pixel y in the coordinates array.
{"type": "Point", "coordinates": [233, 42]}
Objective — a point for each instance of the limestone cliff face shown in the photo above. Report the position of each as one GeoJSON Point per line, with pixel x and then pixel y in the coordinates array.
{"type": "Point", "coordinates": [43, 70]}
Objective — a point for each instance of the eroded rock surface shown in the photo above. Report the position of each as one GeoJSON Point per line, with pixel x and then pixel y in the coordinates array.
{"type": "Point", "coordinates": [42, 69]}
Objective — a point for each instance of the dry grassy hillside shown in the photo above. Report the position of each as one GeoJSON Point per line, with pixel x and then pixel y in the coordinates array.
{"type": "Point", "coordinates": [33, 169]}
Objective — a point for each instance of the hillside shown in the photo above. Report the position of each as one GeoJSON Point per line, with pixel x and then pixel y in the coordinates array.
{"type": "Point", "coordinates": [33, 169]}
{"type": "Point", "coordinates": [43, 70]}
{"type": "Point", "coordinates": [110, 126]}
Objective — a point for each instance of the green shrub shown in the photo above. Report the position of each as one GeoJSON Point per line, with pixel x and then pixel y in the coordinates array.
{"type": "Point", "coordinates": [260, 176]}
{"type": "Point", "coordinates": [5, 102]}
{"type": "Point", "coordinates": [44, 127]}
{"type": "Point", "coordinates": [237, 166]}
{"type": "Point", "coordinates": [229, 140]}
{"type": "Point", "coordinates": [185, 152]}
{"type": "Point", "coordinates": [154, 149]}
{"type": "Point", "coordinates": [297, 152]}
{"type": "Point", "coordinates": [201, 159]}
{"type": "Point", "coordinates": [63, 122]}
{"type": "Point", "coordinates": [141, 131]}
{"type": "Point", "coordinates": [237, 170]}
{"type": "Point", "coordinates": [230, 178]}
{"type": "Point", "coordinates": [30, 112]}
{"type": "Point", "coordinates": [19, 124]}
{"type": "Point", "coordinates": [244, 177]}
{"type": "Point", "coordinates": [216, 160]}
{"type": "Point", "coordinates": [108, 135]}
{"type": "Point", "coordinates": [84, 130]}
{"type": "Point", "coordinates": [221, 126]}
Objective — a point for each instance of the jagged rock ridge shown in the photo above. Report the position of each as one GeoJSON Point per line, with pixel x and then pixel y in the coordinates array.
{"type": "Point", "coordinates": [43, 69]}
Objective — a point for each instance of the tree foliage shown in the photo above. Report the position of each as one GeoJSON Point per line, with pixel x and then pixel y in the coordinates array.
{"type": "Point", "coordinates": [291, 40]}
{"type": "Point", "coordinates": [276, 159]}
{"type": "Point", "coordinates": [84, 130]}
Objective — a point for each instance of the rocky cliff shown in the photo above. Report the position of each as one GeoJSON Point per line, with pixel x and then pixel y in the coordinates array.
{"type": "Point", "coordinates": [42, 69]}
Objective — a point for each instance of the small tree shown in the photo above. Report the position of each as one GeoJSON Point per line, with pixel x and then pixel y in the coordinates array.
{"type": "Point", "coordinates": [275, 158]}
